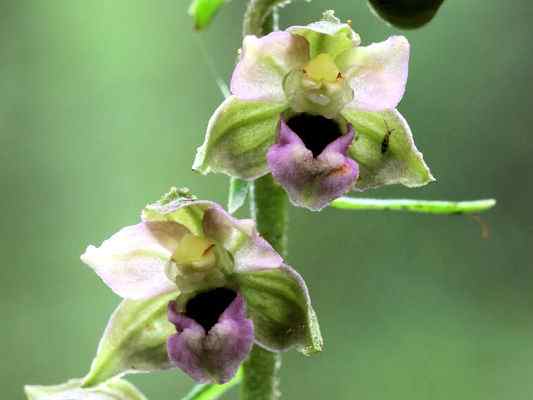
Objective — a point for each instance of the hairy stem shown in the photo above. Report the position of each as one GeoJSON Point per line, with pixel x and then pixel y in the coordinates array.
{"type": "Point", "coordinates": [260, 375]}
{"type": "Point", "coordinates": [269, 209]}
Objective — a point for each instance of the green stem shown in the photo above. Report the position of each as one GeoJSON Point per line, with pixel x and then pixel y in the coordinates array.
{"type": "Point", "coordinates": [260, 375]}
{"type": "Point", "coordinates": [269, 209]}
{"type": "Point", "coordinates": [418, 206]}
{"type": "Point", "coordinates": [209, 391]}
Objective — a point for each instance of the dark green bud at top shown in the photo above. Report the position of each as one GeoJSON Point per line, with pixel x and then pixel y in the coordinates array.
{"type": "Point", "coordinates": [406, 14]}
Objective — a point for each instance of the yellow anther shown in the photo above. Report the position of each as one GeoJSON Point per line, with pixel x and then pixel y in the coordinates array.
{"type": "Point", "coordinates": [322, 68]}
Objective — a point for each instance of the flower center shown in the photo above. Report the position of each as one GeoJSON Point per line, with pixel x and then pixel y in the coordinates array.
{"type": "Point", "coordinates": [195, 251]}
{"type": "Point", "coordinates": [207, 307]}
{"type": "Point", "coordinates": [315, 131]}
{"type": "Point", "coordinates": [322, 68]}
{"type": "Point", "coordinates": [318, 88]}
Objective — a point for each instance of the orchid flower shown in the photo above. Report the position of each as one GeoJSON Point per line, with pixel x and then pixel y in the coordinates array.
{"type": "Point", "coordinates": [223, 286]}
{"type": "Point", "coordinates": [317, 110]}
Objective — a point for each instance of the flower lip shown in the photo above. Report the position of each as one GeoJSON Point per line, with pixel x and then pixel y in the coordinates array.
{"type": "Point", "coordinates": [211, 355]}
{"type": "Point", "coordinates": [312, 182]}
{"type": "Point", "coordinates": [206, 308]}
{"type": "Point", "coordinates": [316, 131]}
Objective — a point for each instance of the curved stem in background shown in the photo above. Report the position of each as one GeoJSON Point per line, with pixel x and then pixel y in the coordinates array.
{"type": "Point", "coordinates": [256, 15]}
{"type": "Point", "coordinates": [269, 208]}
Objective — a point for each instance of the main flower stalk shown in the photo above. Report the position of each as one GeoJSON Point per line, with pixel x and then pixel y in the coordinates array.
{"type": "Point", "coordinates": [269, 208]}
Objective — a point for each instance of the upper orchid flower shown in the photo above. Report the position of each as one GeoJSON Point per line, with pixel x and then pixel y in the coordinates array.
{"type": "Point", "coordinates": [222, 287]}
{"type": "Point", "coordinates": [317, 110]}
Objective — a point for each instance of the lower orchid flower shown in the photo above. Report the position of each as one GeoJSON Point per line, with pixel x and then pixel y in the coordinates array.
{"type": "Point", "coordinates": [317, 110]}
{"type": "Point", "coordinates": [214, 285]}
{"type": "Point", "coordinates": [114, 389]}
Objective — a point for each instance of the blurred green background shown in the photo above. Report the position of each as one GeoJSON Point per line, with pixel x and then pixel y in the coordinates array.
{"type": "Point", "coordinates": [102, 104]}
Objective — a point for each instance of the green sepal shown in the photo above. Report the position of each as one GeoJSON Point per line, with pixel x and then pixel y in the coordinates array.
{"type": "Point", "coordinates": [203, 12]}
{"type": "Point", "coordinates": [238, 137]}
{"type": "Point", "coordinates": [385, 151]}
{"type": "Point", "coordinates": [329, 35]}
{"type": "Point", "coordinates": [278, 303]}
{"type": "Point", "coordinates": [238, 191]}
{"type": "Point", "coordinates": [114, 389]}
{"type": "Point", "coordinates": [178, 205]}
{"type": "Point", "coordinates": [406, 14]}
{"type": "Point", "coordinates": [134, 340]}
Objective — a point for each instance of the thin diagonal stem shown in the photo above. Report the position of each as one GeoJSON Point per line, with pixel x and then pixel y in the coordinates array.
{"type": "Point", "coordinates": [209, 391]}
{"type": "Point", "coordinates": [416, 206]}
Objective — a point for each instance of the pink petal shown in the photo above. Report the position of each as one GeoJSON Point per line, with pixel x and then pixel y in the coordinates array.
{"type": "Point", "coordinates": [249, 250]}
{"type": "Point", "coordinates": [264, 64]}
{"type": "Point", "coordinates": [377, 73]}
{"type": "Point", "coordinates": [133, 261]}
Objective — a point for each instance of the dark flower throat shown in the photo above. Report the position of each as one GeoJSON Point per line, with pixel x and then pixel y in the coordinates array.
{"type": "Point", "coordinates": [315, 131]}
{"type": "Point", "coordinates": [207, 307]}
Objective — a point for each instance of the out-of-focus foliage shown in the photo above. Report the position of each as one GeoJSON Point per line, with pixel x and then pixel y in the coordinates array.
{"type": "Point", "coordinates": [203, 12]}
{"type": "Point", "coordinates": [406, 14]}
